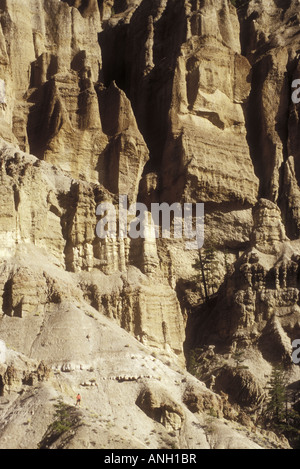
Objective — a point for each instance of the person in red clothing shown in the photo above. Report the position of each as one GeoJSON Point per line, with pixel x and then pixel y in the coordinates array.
{"type": "Point", "coordinates": [78, 400]}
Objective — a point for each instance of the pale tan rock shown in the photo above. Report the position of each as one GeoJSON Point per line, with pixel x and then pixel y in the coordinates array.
{"type": "Point", "coordinates": [207, 127]}
{"type": "Point", "coordinates": [269, 232]}
{"type": "Point", "coordinates": [162, 101]}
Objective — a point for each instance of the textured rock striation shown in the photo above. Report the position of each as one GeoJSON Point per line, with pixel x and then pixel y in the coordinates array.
{"type": "Point", "coordinates": [176, 101]}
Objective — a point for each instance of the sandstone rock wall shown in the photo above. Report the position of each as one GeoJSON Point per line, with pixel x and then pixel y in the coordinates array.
{"type": "Point", "coordinates": [122, 115]}
{"type": "Point", "coordinates": [162, 101]}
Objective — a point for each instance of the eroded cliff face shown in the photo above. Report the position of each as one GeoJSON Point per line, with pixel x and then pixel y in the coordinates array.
{"type": "Point", "coordinates": [162, 101]}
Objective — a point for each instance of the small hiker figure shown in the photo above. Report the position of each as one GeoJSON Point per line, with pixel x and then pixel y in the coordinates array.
{"type": "Point", "coordinates": [78, 400]}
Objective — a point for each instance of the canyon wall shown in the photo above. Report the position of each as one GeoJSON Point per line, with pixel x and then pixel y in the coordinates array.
{"type": "Point", "coordinates": [177, 101]}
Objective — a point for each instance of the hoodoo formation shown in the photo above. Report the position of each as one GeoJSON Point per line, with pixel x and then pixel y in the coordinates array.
{"type": "Point", "coordinates": [164, 102]}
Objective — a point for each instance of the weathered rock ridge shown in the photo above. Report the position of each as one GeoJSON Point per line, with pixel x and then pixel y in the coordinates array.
{"type": "Point", "coordinates": [163, 101]}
